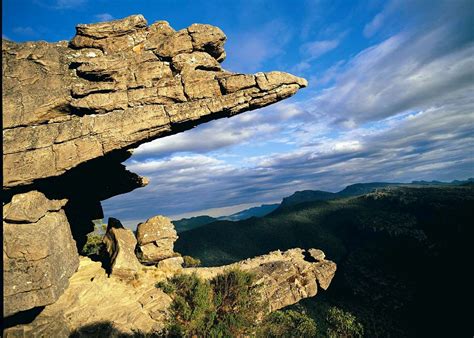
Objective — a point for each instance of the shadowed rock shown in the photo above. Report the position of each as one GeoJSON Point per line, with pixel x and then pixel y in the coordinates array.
{"type": "Point", "coordinates": [39, 254]}
{"type": "Point", "coordinates": [120, 244]}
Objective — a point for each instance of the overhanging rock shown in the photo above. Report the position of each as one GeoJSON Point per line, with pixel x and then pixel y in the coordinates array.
{"type": "Point", "coordinates": [114, 86]}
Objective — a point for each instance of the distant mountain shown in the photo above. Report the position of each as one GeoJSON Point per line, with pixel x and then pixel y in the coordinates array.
{"type": "Point", "coordinates": [403, 254]}
{"type": "Point", "coordinates": [186, 224]}
{"type": "Point", "coordinates": [260, 211]}
{"type": "Point", "coordinates": [356, 190]}
{"type": "Point", "coordinates": [307, 196]}
{"type": "Point", "coordinates": [455, 182]}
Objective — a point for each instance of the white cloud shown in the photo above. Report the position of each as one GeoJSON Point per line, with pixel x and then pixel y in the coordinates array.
{"type": "Point", "coordinates": [248, 50]}
{"type": "Point", "coordinates": [373, 26]}
{"type": "Point", "coordinates": [104, 17]}
{"type": "Point", "coordinates": [399, 110]}
{"type": "Point", "coordinates": [315, 49]}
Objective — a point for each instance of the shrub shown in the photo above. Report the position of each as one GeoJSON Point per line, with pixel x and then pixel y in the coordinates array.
{"type": "Point", "coordinates": [225, 306]}
{"type": "Point", "coordinates": [191, 262]}
{"type": "Point", "coordinates": [93, 246]}
{"type": "Point", "coordinates": [343, 324]}
{"type": "Point", "coordinates": [287, 323]}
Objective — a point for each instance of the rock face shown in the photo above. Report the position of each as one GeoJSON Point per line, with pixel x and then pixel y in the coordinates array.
{"type": "Point", "coordinates": [114, 86]}
{"type": "Point", "coordinates": [39, 253]}
{"type": "Point", "coordinates": [286, 277]}
{"type": "Point", "coordinates": [73, 112]}
{"type": "Point", "coordinates": [95, 305]}
{"type": "Point", "coordinates": [120, 244]}
{"type": "Point", "coordinates": [156, 239]}
{"type": "Point", "coordinates": [94, 300]}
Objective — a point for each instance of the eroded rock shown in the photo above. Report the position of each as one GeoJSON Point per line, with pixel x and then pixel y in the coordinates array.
{"type": "Point", "coordinates": [39, 253]}
{"type": "Point", "coordinates": [285, 277]}
{"type": "Point", "coordinates": [114, 86]}
{"type": "Point", "coordinates": [120, 244]}
{"type": "Point", "coordinates": [108, 305]}
{"type": "Point", "coordinates": [156, 239]}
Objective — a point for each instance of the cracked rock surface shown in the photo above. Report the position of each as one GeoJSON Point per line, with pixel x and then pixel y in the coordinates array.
{"type": "Point", "coordinates": [39, 253]}
{"type": "Point", "coordinates": [114, 86]}
{"type": "Point", "coordinates": [93, 298]}
{"type": "Point", "coordinates": [72, 113]}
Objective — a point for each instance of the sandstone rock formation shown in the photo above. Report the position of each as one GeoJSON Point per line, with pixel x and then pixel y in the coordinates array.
{"type": "Point", "coordinates": [39, 253]}
{"type": "Point", "coordinates": [286, 277]}
{"type": "Point", "coordinates": [114, 86]}
{"type": "Point", "coordinates": [156, 239]}
{"type": "Point", "coordinates": [72, 113]}
{"type": "Point", "coordinates": [120, 244]}
{"type": "Point", "coordinates": [93, 299]}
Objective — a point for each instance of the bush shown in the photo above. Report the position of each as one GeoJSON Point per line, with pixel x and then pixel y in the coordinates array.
{"type": "Point", "coordinates": [191, 262]}
{"type": "Point", "coordinates": [343, 324]}
{"type": "Point", "coordinates": [93, 245]}
{"type": "Point", "coordinates": [287, 323]}
{"type": "Point", "coordinates": [225, 306]}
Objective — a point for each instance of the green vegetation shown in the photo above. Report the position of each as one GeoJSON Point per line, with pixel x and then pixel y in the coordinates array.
{"type": "Point", "coordinates": [287, 324]}
{"type": "Point", "coordinates": [191, 262]}
{"type": "Point", "coordinates": [225, 306]}
{"type": "Point", "coordinates": [228, 305]}
{"type": "Point", "coordinates": [389, 246]}
{"type": "Point", "coordinates": [94, 245]}
{"type": "Point", "coordinates": [343, 324]}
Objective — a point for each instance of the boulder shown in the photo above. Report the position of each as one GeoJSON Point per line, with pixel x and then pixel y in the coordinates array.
{"type": "Point", "coordinates": [39, 253]}
{"type": "Point", "coordinates": [156, 239]}
{"type": "Point", "coordinates": [120, 244]}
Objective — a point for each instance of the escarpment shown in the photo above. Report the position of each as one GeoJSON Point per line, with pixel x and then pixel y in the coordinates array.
{"type": "Point", "coordinates": [72, 113]}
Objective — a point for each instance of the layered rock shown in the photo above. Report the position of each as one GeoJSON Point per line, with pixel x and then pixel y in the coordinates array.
{"type": "Point", "coordinates": [114, 86]}
{"type": "Point", "coordinates": [285, 277]}
{"type": "Point", "coordinates": [156, 239]}
{"type": "Point", "coordinates": [39, 253]}
{"type": "Point", "coordinates": [120, 244]}
{"type": "Point", "coordinates": [94, 301]}
{"type": "Point", "coordinates": [95, 305]}
{"type": "Point", "coordinates": [73, 111]}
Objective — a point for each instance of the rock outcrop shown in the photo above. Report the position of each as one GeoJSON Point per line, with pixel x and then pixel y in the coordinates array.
{"type": "Point", "coordinates": [72, 113]}
{"type": "Point", "coordinates": [120, 244]}
{"type": "Point", "coordinates": [94, 304]}
{"type": "Point", "coordinates": [39, 253]}
{"type": "Point", "coordinates": [156, 239]}
{"type": "Point", "coordinates": [114, 86]}
{"type": "Point", "coordinates": [286, 277]}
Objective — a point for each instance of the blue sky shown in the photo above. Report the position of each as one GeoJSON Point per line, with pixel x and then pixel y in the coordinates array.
{"type": "Point", "coordinates": [389, 98]}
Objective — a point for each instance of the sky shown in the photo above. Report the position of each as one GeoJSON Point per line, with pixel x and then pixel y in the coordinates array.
{"type": "Point", "coordinates": [390, 98]}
